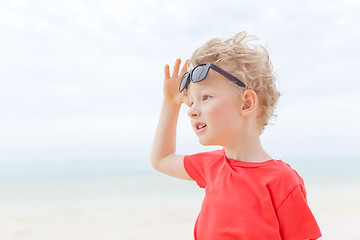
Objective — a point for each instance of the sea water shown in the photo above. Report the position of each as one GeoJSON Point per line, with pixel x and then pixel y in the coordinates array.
{"type": "Point", "coordinates": [122, 180]}
{"type": "Point", "coordinates": [127, 199]}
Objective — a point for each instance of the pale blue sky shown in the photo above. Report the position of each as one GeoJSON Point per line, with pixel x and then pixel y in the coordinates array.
{"type": "Point", "coordinates": [83, 79]}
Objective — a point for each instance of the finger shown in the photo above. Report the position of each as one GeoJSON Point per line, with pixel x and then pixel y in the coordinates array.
{"type": "Point", "coordinates": [184, 68]}
{"type": "Point", "coordinates": [176, 67]}
{"type": "Point", "coordinates": [167, 71]}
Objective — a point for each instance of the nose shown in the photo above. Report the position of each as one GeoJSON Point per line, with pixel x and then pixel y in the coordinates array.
{"type": "Point", "coordinates": [194, 111]}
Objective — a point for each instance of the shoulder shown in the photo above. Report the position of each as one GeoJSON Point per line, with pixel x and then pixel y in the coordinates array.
{"type": "Point", "coordinates": [282, 181]}
{"type": "Point", "coordinates": [197, 165]}
{"type": "Point", "coordinates": [207, 155]}
{"type": "Point", "coordinates": [284, 172]}
{"type": "Point", "coordinates": [205, 159]}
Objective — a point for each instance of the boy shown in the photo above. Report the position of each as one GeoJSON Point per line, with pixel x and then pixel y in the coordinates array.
{"type": "Point", "coordinates": [231, 96]}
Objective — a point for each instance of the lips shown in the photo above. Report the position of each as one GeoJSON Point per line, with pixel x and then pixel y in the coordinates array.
{"type": "Point", "coordinates": [199, 127]}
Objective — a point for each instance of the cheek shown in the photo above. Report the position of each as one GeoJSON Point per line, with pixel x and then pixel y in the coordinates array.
{"type": "Point", "coordinates": [223, 115]}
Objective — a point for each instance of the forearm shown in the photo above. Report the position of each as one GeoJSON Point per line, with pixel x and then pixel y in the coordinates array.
{"type": "Point", "coordinates": [165, 136]}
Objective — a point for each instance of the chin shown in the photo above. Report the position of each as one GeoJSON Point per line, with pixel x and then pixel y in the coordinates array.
{"type": "Point", "coordinates": [204, 143]}
{"type": "Point", "coordinates": [207, 142]}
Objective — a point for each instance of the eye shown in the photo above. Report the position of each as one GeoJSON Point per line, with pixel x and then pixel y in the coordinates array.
{"type": "Point", "coordinates": [205, 97]}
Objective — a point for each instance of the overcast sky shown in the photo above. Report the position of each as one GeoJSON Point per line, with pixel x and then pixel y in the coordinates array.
{"type": "Point", "coordinates": [83, 79]}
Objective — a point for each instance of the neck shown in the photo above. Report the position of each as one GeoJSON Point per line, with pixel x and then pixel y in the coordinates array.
{"type": "Point", "coordinates": [248, 148]}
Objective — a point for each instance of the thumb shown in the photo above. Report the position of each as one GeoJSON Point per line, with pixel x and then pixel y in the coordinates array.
{"type": "Point", "coordinates": [185, 99]}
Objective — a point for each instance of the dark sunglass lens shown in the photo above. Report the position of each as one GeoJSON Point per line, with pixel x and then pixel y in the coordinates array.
{"type": "Point", "coordinates": [199, 73]}
{"type": "Point", "coordinates": [184, 82]}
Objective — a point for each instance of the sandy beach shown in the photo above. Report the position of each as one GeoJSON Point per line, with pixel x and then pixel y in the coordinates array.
{"type": "Point", "coordinates": [98, 221]}
{"type": "Point", "coordinates": [337, 209]}
{"type": "Point", "coordinates": [107, 219]}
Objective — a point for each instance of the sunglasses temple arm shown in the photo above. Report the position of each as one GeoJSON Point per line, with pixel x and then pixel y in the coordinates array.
{"type": "Point", "coordinates": [228, 75]}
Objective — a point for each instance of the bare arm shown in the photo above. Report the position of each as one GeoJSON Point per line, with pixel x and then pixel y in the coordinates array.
{"type": "Point", "coordinates": [163, 156]}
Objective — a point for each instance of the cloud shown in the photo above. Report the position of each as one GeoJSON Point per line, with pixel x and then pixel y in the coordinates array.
{"type": "Point", "coordinates": [80, 79]}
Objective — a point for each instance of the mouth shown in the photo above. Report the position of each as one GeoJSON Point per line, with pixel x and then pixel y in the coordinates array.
{"type": "Point", "coordinates": [199, 127]}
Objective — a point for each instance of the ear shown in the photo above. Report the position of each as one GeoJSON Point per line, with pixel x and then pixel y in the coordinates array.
{"type": "Point", "coordinates": [249, 103]}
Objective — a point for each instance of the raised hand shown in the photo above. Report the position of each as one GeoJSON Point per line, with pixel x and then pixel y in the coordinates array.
{"type": "Point", "coordinates": [171, 83]}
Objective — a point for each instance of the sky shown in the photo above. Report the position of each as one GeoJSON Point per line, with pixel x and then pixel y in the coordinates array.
{"type": "Point", "coordinates": [83, 79]}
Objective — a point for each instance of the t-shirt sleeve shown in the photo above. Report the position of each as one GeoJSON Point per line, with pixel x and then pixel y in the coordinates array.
{"type": "Point", "coordinates": [295, 218]}
{"type": "Point", "coordinates": [195, 167]}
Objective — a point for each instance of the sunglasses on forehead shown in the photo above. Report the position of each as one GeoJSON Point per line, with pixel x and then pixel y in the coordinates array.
{"type": "Point", "coordinates": [200, 72]}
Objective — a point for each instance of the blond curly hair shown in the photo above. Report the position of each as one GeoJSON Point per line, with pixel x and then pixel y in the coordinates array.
{"type": "Point", "coordinates": [248, 62]}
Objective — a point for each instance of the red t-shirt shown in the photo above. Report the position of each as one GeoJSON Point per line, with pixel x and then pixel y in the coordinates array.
{"type": "Point", "coordinates": [253, 201]}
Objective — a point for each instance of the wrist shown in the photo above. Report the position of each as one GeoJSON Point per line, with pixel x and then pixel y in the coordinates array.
{"type": "Point", "coordinates": [172, 104]}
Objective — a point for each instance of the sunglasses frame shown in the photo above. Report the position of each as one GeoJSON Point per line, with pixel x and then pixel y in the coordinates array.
{"type": "Point", "coordinates": [187, 77]}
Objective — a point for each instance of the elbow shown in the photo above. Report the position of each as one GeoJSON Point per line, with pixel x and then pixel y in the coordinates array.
{"type": "Point", "coordinates": [156, 165]}
{"type": "Point", "coordinates": [154, 162]}
{"type": "Point", "coordinates": [159, 162]}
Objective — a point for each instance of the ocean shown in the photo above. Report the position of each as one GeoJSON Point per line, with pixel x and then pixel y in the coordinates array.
{"type": "Point", "coordinates": [127, 199]}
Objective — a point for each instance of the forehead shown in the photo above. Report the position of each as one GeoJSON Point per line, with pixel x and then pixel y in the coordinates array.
{"type": "Point", "coordinates": [212, 82]}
